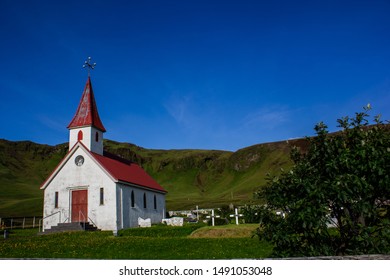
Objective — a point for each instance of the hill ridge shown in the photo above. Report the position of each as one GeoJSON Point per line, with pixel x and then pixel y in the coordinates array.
{"type": "Point", "coordinates": [207, 178]}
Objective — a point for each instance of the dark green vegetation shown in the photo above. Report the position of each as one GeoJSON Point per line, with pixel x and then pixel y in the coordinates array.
{"type": "Point", "coordinates": [344, 176]}
{"type": "Point", "coordinates": [158, 242]}
{"type": "Point", "coordinates": [206, 178]}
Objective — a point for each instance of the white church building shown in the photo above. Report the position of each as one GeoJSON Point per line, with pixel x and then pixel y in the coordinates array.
{"type": "Point", "coordinates": [90, 185]}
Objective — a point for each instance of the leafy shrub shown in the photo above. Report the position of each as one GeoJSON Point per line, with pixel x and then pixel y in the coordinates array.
{"type": "Point", "coordinates": [342, 180]}
{"type": "Point", "coordinates": [252, 213]}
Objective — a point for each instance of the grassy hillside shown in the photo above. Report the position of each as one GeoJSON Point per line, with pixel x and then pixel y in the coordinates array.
{"type": "Point", "coordinates": [23, 168]}
{"type": "Point", "coordinates": [208, 178]}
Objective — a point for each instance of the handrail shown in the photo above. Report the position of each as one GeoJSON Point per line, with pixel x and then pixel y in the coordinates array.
{"type": "Point", "coordinates": [40, 220]}
{"type": "Point", "coordinates": [83, 219]}
{"type": "Point", "coordinates": [92, 222]}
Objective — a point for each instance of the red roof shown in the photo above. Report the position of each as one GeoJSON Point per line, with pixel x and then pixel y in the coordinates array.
{"type": "Point", "coordinates": [126, 171]}
{"type": "Point", "coordinates": [87, 113]}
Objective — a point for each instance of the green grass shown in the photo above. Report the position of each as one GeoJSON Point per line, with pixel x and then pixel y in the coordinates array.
{"type": "Point", "coordinates": [141, 244]}
{"type": "Point", "coordinates": [160, 231]}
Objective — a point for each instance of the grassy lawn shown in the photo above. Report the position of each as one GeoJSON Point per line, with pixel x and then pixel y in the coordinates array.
{"type": "Point", "coordinates": [226, 231]}
{"type": "Point", "coordinates": [162, 243]}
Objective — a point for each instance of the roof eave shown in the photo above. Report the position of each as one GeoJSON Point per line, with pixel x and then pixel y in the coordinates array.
{"type": "Point", "coordinates": [142, 187]}
{"type": "Point", "coordinates": [102, 129]}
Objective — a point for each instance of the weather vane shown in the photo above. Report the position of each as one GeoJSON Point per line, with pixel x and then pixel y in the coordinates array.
{"type": "Point", "coordinates": [90, 66]}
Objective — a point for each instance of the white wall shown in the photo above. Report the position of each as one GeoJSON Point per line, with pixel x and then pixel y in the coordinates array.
{"type": "Point", "coordinates": [88, 176]}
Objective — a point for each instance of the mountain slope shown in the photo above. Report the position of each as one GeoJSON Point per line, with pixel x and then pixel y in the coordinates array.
{"type": "Point", "coordinates": [23, 167]}
{"type": "Point", "coordinates": [208, 178]}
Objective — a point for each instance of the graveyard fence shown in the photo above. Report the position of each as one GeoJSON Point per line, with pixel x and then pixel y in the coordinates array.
{"type": "Point", "coordinates": [19, 222]}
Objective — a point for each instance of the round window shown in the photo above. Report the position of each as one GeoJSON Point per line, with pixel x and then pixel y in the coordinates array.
{"type": "Point", "coordinates": [79, 160]}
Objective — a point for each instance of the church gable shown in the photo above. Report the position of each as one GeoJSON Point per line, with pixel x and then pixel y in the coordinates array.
{"type": "Point", "coordinates": [79, 165]}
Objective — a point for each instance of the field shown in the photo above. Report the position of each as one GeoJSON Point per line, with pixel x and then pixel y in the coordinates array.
{"type": "Point", "coordinates": [157, 243]}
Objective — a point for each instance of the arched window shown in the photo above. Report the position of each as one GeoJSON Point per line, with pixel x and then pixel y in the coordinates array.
{"type": "Point", "coordinates": [132, 199]}
{"type": "Point", "coordinates": [80, 136]}
{"type": "Point", "coordinates": [145, 200]}
{"type": "Point", "coordinates": [97, 136]}
{"type": "Point", "coordinates": [155, 202]}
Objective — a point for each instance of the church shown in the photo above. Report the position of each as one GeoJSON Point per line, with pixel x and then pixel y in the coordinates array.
{"type": "Point", "coordinates": [92, 186]}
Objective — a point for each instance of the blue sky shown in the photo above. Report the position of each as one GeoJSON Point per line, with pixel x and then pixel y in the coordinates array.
{"type": "Point", "coordinates": [192, 74]}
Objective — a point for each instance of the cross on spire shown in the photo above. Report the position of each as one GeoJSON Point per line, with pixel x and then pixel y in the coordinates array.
{"type": "Point", "coordinates": [90, 66]}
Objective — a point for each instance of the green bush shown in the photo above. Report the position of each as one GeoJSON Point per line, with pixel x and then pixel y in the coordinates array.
{"type": "Point", "coordinates": [252, 213]}
{"type": "Point", "coordinates": [342, 179]}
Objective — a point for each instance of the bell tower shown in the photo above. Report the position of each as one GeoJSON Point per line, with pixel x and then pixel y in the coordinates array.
{"type": "Point", "coordinates": [86, 126]}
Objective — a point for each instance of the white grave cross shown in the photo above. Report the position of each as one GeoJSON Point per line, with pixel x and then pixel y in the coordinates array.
{"type": "Point", "coordinates": [236, 215]}
{"type": "Point", "coordinates": [212, 217]}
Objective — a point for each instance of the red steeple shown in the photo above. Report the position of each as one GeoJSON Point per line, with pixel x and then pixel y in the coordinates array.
{"type": "Point", "coordinates": [87, 113]}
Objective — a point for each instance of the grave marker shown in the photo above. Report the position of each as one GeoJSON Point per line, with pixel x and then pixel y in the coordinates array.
{"type": "Point", "coordinates": [236, 215]}
{"type": "Point", "coordinates": [174, 221]}
{"type": "Point", "coordinates": [212, 217]}
{"type": "Point", "coordinates": [144, 222]}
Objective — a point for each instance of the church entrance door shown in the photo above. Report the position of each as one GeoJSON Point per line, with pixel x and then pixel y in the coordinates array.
{"type": "Point", "coordinates": [80, 206]}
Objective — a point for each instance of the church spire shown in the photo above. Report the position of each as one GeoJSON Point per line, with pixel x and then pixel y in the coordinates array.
{"type": "Point", "coordinates": [86, 126]}
{"type": "Point", "coordinates": [87, 113]}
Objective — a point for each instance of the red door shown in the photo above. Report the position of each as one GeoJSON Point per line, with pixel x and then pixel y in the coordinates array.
{"type": "Point", "coordinates": [80, 206]}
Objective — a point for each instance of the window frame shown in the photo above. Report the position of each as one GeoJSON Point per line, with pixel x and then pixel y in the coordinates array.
{"type": "Point", "coordinates": [132, 199]}
{"type": "Point", "coordinates": [56, 196]}
{"type": "Point", "coordinates": [101, 196]}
